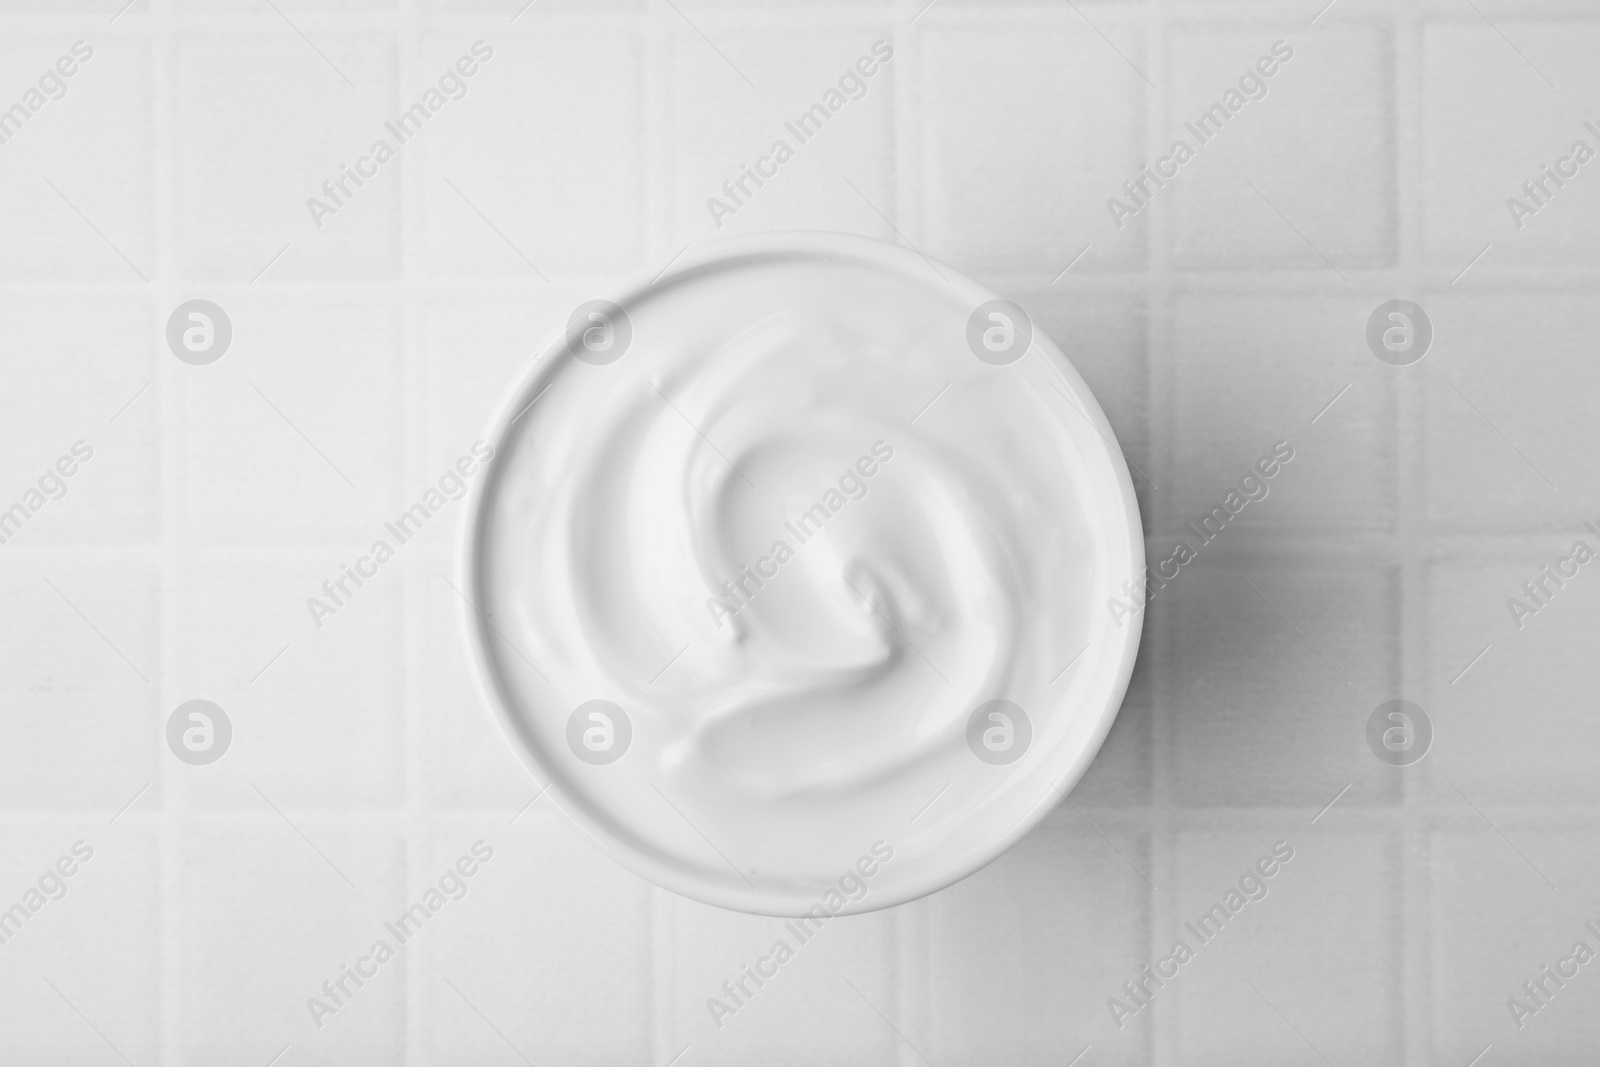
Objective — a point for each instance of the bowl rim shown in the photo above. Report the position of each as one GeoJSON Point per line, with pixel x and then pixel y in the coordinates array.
{"type": "Point", "coordinates": [469, 571]}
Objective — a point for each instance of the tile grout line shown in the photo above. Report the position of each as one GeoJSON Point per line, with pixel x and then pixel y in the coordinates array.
{"type": "Point", "coordinates": [911, 990]}
{"type": "Point", "coordinates": [404, 26]}
{"type": "Point", "coordinates": [1407, 94]}
{"type": "Point", "coordinates": [155, 28]}
{"type": "Point", "coordinates": [411, 42]}
{"type": "Point", "coordinates": [1164, 1036]}
{"type": "Point", "coordinates": [662, 228]}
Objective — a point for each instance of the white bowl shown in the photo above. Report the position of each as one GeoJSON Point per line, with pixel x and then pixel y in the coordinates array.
{"type": "Point", "coordinates": [775, 824]}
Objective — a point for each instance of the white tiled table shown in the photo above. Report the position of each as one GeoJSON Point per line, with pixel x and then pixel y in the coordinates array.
{"type": "Point", "coordinates": [1211, 326]}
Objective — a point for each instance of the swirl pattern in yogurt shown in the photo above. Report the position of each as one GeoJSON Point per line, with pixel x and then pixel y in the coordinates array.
{"type": "Point", "coordinates": [798, 535]}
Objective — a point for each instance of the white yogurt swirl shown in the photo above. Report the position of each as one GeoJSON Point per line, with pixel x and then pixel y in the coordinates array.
{"type": "Point", "coordinates": [798, 532]}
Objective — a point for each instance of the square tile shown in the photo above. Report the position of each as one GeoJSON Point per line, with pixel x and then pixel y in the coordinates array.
{"type": "Point", "coordinates": [1263, 714]}
{"type": "Point", "coordinates": [1507, 420]}
{"type": "Point", "coordinates": [1492, 122]}
{"type": "Point", "coordinates": [777, 1021]}
{"type": "Point", "coordinates": [1538, 661]}
{"type": "Point", "coordinates": [258, 891]}
{"type": "Point", "coordinates": [83, 960]}
{"type": "Point", "coordinates": [317, 712]}
{"type": "Point", "coordinates": [551, 946]}
{"type": "Point", "coordinates": [294, 436]}
{"type": "Point", "coordinates": [818, 134]}
{"type": "Point", "coordinates": [263, 121]}
{"type": "Point", "coordinates": [1064, 901]}
{"type": "Point", "coordinates": [80, 665]}
{"type": "Point", "coordinates": [1028, 126]}
{"type": "Point", "coordinates": [1299, 938]}
{"type": "Point", "coordinates": [487, 211]}
{"type": "Point", "coordinates": [1250, 372]}
{"type": "Point", "coordinates": [1316, 140]}
{"type": "Point", "coordinates": [68, 222]}
{"type": "Point", "coordinates": [1479, 966]}
{"type": "Point", "coordinates": [88, 404]}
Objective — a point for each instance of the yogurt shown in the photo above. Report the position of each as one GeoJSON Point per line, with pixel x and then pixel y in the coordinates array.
{"type": "Point", "coordinates": [784, 553]}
